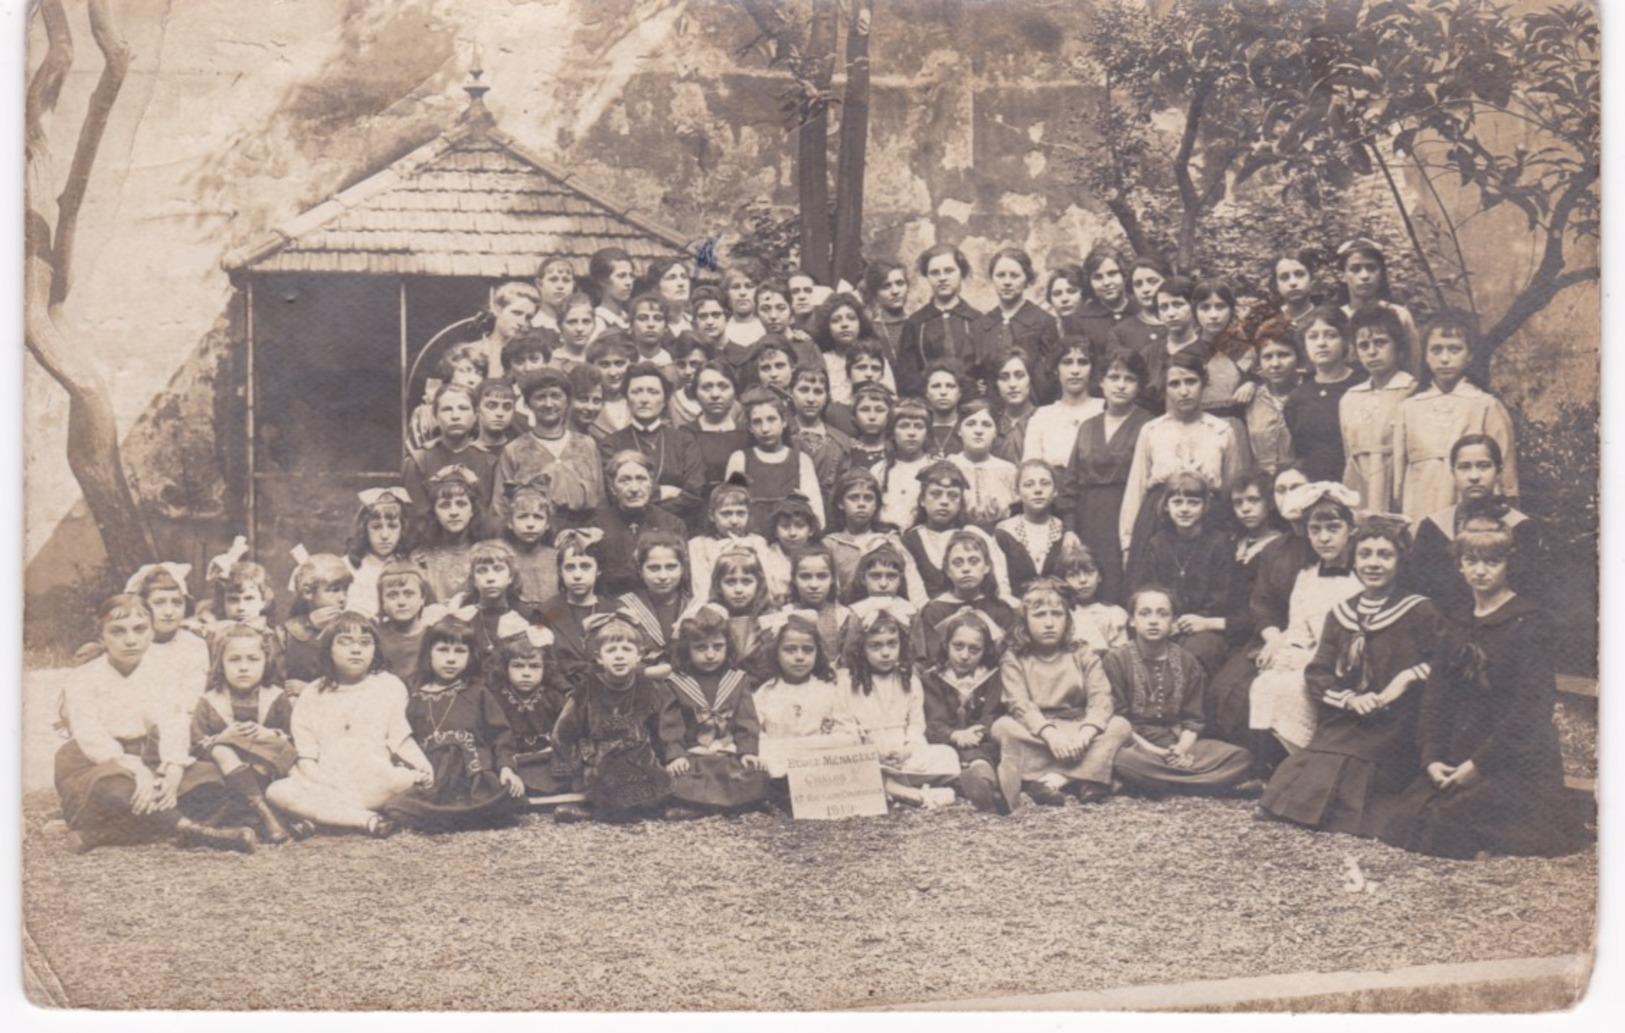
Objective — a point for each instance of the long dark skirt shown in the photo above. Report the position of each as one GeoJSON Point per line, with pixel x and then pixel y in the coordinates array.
{"type": "Point", "coordinates": [1096, 519]}
{"type": "Point", "coordinates": [719, 780]}
{"type": "Point", "coordinates": [1505, 813]}
{"type": "Point", "coordinates": [535, 769]}
{"type": "Point", "coordinates": [97, 798]}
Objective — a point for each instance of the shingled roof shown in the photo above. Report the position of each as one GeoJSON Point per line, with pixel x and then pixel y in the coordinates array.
{"type": "Point", "coordinates": [471, 202]}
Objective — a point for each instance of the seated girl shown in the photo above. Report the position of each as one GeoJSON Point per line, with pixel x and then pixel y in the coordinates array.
{"type": "Point", "coordinates": [536, 565]}
{"type": "Point", "coordinates": [1157, 687]}
{"type": "Point", "coordinates": [972, 583]}
{"type": "Point", "coordinates": [739, 587]}
{"type": "Point", "coordinates": [1491, 778]}
{"type": "Point", "coordinates": [1375, 647]}
{"type": "Point", "coordinates": [771, 469]}
{"type": "Point", "coordinates": [797, 700]}
{"type": "Point", "coordinates": [812, 591]}
{"type": "Point", "coordinates": [531, 693]}
{"type": "Point", "coordinates": [406, 610]}
{"type": "Point", "coordinates": [1059, 732]}
{"type": "Point", "coordinates": [793, 525]}
{"type": "Point", "coordinates": [710, 737]}
{"type": "Point", "coordinates": [452, 530]}
{"type": "Point", "coordinates": [963, 696]}
{"type": "Point", "coordinates": [320, 584]}
{"type": "Point", "coordinates": [464, 733]}
{"type": "Point", "coordinates": [490, 597]}
{"type": "Point", "coordinates": [1280, 703]}
{"type": "Point", "coordinates": [661, 596]}
{"type": "Point", "coordinates": [1033, 540]}
{"type": "Point", "coordinates": [991, 490]}
{"type": "Point", "coordinates": [567, 614]}
{"type": "Point", "coordinates": [181, 655]}
{"type": "Point", "coordinates": [880, 695]}
{"type": "Point", "coordinates": [123, 775]}
{"type": "Point", "coordinates": [243, 725]}
{"type": "Point", "coordinates": [355, 746]}
{"type": "Point", "coordinates": [1096, 626]}
{"type": "Point", "coordinates": [605, 737]}
{"type": "Point", "coordinates": [729, 524]}
{"type": "Point", "coordinates": [941, 517]}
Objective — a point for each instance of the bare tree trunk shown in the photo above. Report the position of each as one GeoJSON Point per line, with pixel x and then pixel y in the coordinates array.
{"type": "Point", "coordinates": [93, 444]}
{"type": "Point", "coordinates": [854, 142]}
{"type": "Point", "coordinates": [812, 144]}
{"type": "Point", "coordinates": [1190, 202]}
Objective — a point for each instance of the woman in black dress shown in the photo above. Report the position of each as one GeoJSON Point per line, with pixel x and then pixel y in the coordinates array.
{"type": "Point", "coordinates": [1091, 492]}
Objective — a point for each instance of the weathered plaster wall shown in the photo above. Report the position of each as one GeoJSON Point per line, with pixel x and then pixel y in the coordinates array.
{"type": "Point", "coordinates": [239, 116]}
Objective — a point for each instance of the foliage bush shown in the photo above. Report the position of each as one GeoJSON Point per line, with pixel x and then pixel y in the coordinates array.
{"type": "Point", "coordinates": [1559, 462]}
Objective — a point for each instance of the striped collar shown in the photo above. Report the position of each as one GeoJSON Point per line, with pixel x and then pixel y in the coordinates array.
{"type": "Point", "coordinates": [688, 686]}
{"type": "Point", "coordinates": [1348, 614]}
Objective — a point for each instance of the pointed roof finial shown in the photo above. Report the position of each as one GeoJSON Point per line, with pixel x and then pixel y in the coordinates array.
{"type": "Point", "coordinates": [476, 112]}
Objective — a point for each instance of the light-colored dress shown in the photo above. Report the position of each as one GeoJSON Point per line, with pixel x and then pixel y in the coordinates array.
{"type": "Point", "coordinates": [900, 490]}
{"type": "Point", "coordinates": [1428, 424]}
{"type": "Point", "coordinates": [804, 713]}
{"type": "Point", "coordinates": [346, 736]}
{"type": "Point", "coordinates": [892, 717]}
{"type": "Point", "coordinates": [1067, 689]}
{"type": "Point", "coordinates": [363, 594]}
{"type": "Point", "coordinates": [1052, 431]}
{"type": "Point", "coordinates": [1279, 699]}
{"type": "Point", "coordinates": [992, 483]}
{"type": "Point", "coordinates": [180, 668]}
{"type": "Point", "coordinates": [1366, 416]}
{"type": "Point", "coordinates": [1205, 446]}
{"type": "Point", "coordinates": [840, 384]}
{"type": "Point", "coordinates": [1098, 627]}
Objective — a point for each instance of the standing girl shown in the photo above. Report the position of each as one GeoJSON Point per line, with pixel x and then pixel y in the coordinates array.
{"type": "Point", "coordinates": [880, 695]}
{"type": "Point", "coordinates": [1096, 479]}
{"type": "Point", "coordinates": [1033, 540]}
{"type": "Point", "coordinates": [1230, 354]}
{"type": "Point", "coordinates": [1012, 386]}
{"type": "Point", "coordinates": [406, 610]}
{"type": "Point", "coordinates": [744, 329]}
{"type": "Point", "coordinates": [555, 283]}
{"type": "Point", "coordinates": [613, 354]}
{"type": "Point", "coordinates": [942, 327]}
{"type": "Point", "coordinates": [606, 734]}
{"type": "Point", "coordinates": [1052, 432]}
{"type": "Point", "coordinates": [464, 733]}
{"type": "Point", "coordinates": [179, 656]}
{"type": "Point", "coordinates": [1176, 310]}
{"type": "Point", "coordinates": [990, 481]}
{"type": "Point", "coordinates": [718, 432]}
{"type": "Point", "coordinates": [872, 407]}
{"type": "Point", "coordinates": [576, 325]}
{"type": "Point", "coordinates": [962, 699]}
{"type": "Point", "coordinates": [1107, 302]}
{"type": "Point", "coordinates": [944, 390]}
{"type": "Point", "coordinates": [771, 469]}
{"type": "Point", "coordinates": [613, 279]}
{"type": "Point", "coordinates": [1063, 292]}
{"type": "Point", "coordinates": [451, 533]}
{"type": "Point", "coordinates": [711, 738]}
{"type": "Point", "coordinates": [1059, 732]}
{"type": "Point", "coordinates": [739, 586]}
{"type": "Point", "coordinates": [356, 751]}
{"type": "Point", "coordinates": [454, 409]}
{"type": "Point", "coordinates": [794, 525]}
{"type": "Point", "coordinates": [1431, 421]}
{"type": "Point", "coordinates": [1096, 626]}
{"type": "Point", "coordinates": [1265, 414]}
{"type": "Point", "coordinates": [809, 393]}
{"type": "Point", "coordinates": [1366, 413]}
{"type": "Point", "coordinates": [1375, 647]}
{"type": "Point", "coordinates": [899, 474]}
{"type": "Point", "coordinates": [243, 724]}
{"type": "Point", "coordinates": [490, 600]}
{"type": "Point", "coordinates": [320, 585]}
{"type": "Point", "coordinates": [379, 536]}
{"type": "Point", "coordinates": [1144, 333]}
{"type": "Point", "coordinates": [1157, 687]}
{"type": "Point", "coordinates": [1015, 324]}
{"type": "Point", "coordinates": [1311, 409]}
{"type": "Point", "coordinates": [885, 284]}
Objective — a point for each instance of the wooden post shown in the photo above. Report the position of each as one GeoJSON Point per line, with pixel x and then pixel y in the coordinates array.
{"type": "Point", "coordinates": [406, 375]}
{"type": "Point", "coordinates": [248, 396]}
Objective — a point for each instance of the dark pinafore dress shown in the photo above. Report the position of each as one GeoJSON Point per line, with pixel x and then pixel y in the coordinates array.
{"type": "Point", "coordinates": [769, 484]}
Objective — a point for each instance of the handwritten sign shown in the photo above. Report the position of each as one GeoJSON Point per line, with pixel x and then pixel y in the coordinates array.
{"type": "Point", "coordinates": [828, 782]}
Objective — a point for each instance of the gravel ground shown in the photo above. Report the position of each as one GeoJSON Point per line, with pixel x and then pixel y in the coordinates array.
{"type": "Point", "coordinates": [1576, 719]}
{"type": "Point", "coordinates": [762, 912]}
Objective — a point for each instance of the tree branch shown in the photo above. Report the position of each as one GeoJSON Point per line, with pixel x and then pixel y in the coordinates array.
{"type": "Point", "coordinates": [46, 86]}
{"type": "Point", "coordinates": [116, 57]}
{"type": "Point", "coordinates": [1189, 200]}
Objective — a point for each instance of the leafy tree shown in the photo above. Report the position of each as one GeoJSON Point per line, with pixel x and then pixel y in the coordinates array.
{"type": "Point", "coordinates": [1508, 103]}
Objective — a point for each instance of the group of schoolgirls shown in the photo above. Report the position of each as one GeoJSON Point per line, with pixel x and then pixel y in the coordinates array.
{"type": "Point", "coordinates": [648, 541]}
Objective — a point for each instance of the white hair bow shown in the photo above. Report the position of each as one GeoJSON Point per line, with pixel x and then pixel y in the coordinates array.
{"type": "Point", "coordinates": [1300, 499]}
{"type": "Point", "coordinates": [995, 634]}
{"type": "Point", "coordinates": [178, 571]}
{"type": "Point", "coordinates": [372, 496]}
{"type": "Point", "coordinates": [869, 609]}
{"type": "Point", "coordinates": [772, 622]}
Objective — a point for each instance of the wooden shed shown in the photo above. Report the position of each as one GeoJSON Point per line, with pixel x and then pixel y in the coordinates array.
{"type": "Point", "coordinates": [340, 302]}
